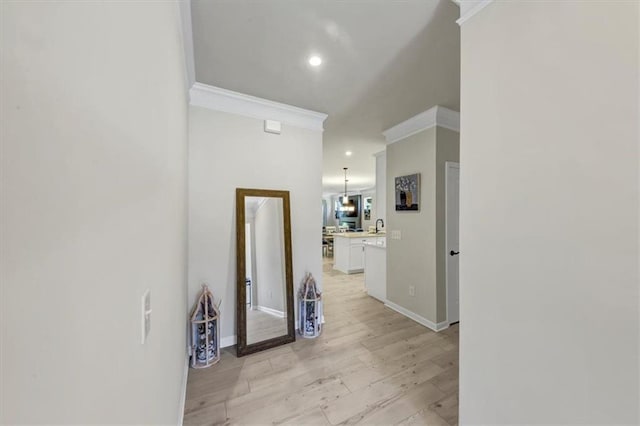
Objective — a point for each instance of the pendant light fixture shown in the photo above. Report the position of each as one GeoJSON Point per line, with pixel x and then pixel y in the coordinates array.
{"type": "Point", "coordinates": [345, 199]}
{"type": "Point", "coordinates": [347, 205]}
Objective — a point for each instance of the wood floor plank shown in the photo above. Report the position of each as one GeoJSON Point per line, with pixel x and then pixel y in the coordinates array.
{"type": "Point", "coordinates": [314, 417]}
{"type": "Point", "coordinates": [200, 380]}
{"type": "Point", "coordinates": [448, 359]}
{"type": "Point", "coordinates": [279, 390]}
{"type": "Point", "coordinates": [395, 409]}
{"type": "Point", "coordinates": [376, 369]}
{"type": "Point", "coordinates": [371, 366]}
{"type": "Point", "coordinates": [323, 367]}
{"type": "Point", "coordinates": [447, 408]}
{"type": "Point", "coordinates": [201, 399]}
{"type": "Point", "coordinates": [357, 403]}
{"type": "Point", "coordinates": [210, 415]}
{"type": "Point", "coordinates": [424, 417]}
{"type": "Point", "coordinates": [411, 345]}
{"type": "Point", "coordinates": [378, 342]}
{"type": "Point", "coordinates": [447, 381]}
{"type": "Point", "coordinates": [291, 406]}
{"type": "Point", "coordinates": [263, 326]}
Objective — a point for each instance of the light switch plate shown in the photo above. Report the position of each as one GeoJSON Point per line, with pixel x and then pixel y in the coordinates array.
{"type": "Point", "coordinates": [396, 235]}
{"type": "Point", "coordinates": [146, 315]}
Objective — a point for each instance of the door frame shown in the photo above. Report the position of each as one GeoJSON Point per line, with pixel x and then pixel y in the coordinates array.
{"type": "Point", "coordinates": [448, 166]}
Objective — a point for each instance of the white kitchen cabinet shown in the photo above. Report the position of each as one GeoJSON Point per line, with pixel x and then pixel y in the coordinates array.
{"type": "Point", "coordinates": [375, 271]}
{"type": "Point", "coordinates": [356, 257]}
{"type": "Point", "coordinates": [349, 250]}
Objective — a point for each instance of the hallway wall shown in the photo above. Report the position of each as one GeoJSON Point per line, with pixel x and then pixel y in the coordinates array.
{"type": "Point", "coordinates": [411, 261]}
{"type": "Point", "coordinates": [290, 161]}
{"type": "Point", "coordinates": [417, 258]}
{"type": "Point", "coordinates": [549, 214]}
{"type": "Point", "coordinates": [270, 257]}
{"type": "Point", "coordinates": [93, 186]}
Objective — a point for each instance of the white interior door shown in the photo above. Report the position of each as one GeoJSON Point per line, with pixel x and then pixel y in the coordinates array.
{"type": "Point", "coordinates": [452, 191]}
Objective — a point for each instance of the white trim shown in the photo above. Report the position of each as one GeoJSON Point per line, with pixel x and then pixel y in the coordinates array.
{"type": "Point", "coordinates": [219, 99]}
{"type": "Point", "coordinates": [380, 153]}
{"type": "Point", "coordinates": [417, 318]}
{"type": "Point", "coordinates": [448, 118]}
{"type": "Point", "coordinates": [468, 8]}
{"type": "Point", "coordinates": [365, 191]}
{"type": "Point", "coordinates": [187, 41]}
{"type": "Point", "coordinates": [225, 342]}
{"type": "Point", "coordinates": [436, 116]}
{"type": "Point", "coordinates": [448, 165]}
{"type": "Point", "coordinates": [183, 395]}
{"type": "Point", "coordinates": [270, 311]}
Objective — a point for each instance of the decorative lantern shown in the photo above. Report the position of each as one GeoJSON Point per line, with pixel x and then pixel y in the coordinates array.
{"type": "Point", "coordinates": [205, 331]}
{"type": "Point", "coordinates": [310, 312]}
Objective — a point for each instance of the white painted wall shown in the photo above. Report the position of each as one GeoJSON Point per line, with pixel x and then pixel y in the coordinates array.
{"type": "Point", "coordinates": [249, 248]}
{"type": "Point", "coordinates": [93, 187]}
{"type": "Point", "coordinates": [380, 199]}
{"type": "Point", "coordinates": [226, 152]}
{"type": "Point", "coordinates": [549, 214]}
{"type": "Point", "coordinates": [418, 258]}
{"type": "Point", "coordinates": [411, 260]}
{"type": "Point", "coordinates": [270, 276]}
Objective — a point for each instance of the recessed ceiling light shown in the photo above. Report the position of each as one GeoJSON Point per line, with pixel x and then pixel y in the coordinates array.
{"type": "Point", "coordinates": [348, 153]}
{"type": "Point", "coordinates": [315, 60]}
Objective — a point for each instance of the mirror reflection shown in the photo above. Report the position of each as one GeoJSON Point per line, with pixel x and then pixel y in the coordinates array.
{"type": "Point", "coordinates": [265, 269]}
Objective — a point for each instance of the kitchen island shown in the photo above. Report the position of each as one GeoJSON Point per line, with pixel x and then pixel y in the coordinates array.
{"type": "Point", "coordinates": [375, 271]}
{"type": "Point", "coordinates": [348, 248]}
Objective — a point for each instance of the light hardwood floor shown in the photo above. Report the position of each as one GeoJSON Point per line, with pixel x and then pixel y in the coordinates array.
{"type": "Point", "coordinates": [262, 326]}
{"type": "Point", "coordinates": [370, 366]}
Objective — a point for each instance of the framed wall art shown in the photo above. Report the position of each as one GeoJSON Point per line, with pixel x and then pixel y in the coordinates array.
{"type": "Point", "coordinates": [408, 192]}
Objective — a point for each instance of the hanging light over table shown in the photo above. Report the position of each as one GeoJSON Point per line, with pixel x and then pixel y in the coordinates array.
{"type": "Point", "coordinates": [347, 205]}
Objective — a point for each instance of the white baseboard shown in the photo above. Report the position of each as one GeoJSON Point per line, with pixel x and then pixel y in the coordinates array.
{"type": "Point", "coordinates": [273, 312]}
{"type": "Point", "coordinates": [417, 318]}
{"type": "Point", "coordinates": [183, 396]}
{"type": "Point", "coordinates": [227, 341]}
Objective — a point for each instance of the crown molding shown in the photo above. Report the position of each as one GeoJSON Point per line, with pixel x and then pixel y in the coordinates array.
{"type": "Point", "coordinates": [468, 8]}
{"type": "Point", "coordinates": [224, 100]}
{"type": "Point", "coordinates": [436, 116]}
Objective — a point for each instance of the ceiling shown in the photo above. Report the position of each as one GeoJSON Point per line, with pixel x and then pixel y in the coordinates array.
{"type": "Point", "coordinates": [384, 61]}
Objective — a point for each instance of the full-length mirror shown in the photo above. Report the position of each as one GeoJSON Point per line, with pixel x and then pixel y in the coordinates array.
{"type": "Point", "coordinates": [264, 271]}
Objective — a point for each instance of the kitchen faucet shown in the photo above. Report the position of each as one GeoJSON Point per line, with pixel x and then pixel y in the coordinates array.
{"type": "Point", "coordinates": [381, 225]}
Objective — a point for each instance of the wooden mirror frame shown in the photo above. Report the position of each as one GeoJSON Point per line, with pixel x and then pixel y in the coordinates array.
{"type": "Point", "coordinates": [242, 348]}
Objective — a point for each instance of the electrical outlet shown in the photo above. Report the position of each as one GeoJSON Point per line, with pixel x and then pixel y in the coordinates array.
{"type": "Point", "coordinates": [412, 290]}
{"type": "Point", "coordinates": [146, 315]}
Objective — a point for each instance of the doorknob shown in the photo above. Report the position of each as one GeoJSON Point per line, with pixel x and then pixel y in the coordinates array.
{"type": "Point", "coordinates": [454, 253]}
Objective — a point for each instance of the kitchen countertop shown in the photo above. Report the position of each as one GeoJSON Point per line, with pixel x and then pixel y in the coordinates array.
{"type": "Point", "coordinates": [358, 234]}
